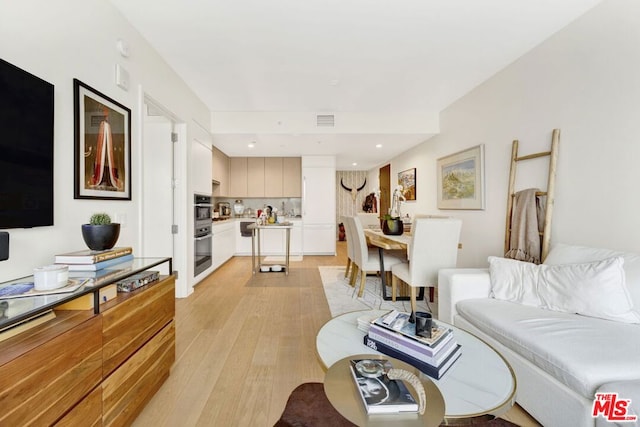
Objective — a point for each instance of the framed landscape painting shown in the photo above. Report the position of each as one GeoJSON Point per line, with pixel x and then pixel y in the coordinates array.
{"type": "Point", "coordinates": [461, 179]}
{"type": "Point", "coordinates": [408, 181]}
{"type": "Point", "coordinates": [102, 168]}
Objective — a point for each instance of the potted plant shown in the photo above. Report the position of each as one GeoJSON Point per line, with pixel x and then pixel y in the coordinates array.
{"type": "Point", "coordinates": [100, 233]}
{"type": "Point", "coordinates": [392, 224]}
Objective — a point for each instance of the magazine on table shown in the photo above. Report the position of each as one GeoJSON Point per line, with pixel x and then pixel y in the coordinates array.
{"type": "Point", "coordinates": [380, 394]}
{"type": "Point", "coordinates": [398, 321]}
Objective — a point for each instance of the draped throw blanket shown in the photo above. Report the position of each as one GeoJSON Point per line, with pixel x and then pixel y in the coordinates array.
{"type": "Point", "coordinates": [527, 217]}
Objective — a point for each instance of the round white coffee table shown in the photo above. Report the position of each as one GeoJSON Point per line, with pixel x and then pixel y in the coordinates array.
{"type": "Point", "coordinates": [480, 382]}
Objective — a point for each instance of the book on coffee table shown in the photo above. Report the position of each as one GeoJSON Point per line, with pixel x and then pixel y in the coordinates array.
{"type": "Point", "coordinates": [379, 393]}
{"type": "Point", "coordinates": [434, 371]}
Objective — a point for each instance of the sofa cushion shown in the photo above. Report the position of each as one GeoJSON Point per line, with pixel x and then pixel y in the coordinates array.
{"type": "Point", "coordinates": [515, 281]}
{"type": "Point", "coordinates": [581, 352]}
{"type": "Point", "coordinates": [570, 254]}
{"type": "Point", "coordinates": [594, 289]}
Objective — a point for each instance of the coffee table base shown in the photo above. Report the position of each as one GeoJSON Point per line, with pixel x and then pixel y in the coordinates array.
{"type": "Point", "coordinates": [341, 391]}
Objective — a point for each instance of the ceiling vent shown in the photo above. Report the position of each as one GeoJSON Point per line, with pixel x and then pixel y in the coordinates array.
{"type": "Point", "coordinates": [325, 120]}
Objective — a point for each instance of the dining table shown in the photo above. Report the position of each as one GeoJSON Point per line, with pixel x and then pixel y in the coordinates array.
{"type": "Point", "coordinates": [375, 237]}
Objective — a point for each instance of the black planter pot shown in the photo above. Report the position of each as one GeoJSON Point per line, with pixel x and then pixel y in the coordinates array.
{"type": "Point", "coordinates": [392, 227]}
{"type": "Point", "coordinates": [100, 237]}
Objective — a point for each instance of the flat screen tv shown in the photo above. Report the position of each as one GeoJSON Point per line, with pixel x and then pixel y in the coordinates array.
{"type": "Point", "coordinates": [26, 149]}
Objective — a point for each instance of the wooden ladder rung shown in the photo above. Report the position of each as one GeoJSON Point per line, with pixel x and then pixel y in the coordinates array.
{"type": "Point", "coordinates": [538, 194]}
{"type": "Point", "coordinates": [533, 156]}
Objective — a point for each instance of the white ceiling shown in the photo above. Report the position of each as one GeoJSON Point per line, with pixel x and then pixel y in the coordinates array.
{"type": "Point", "coordinates": [369, 57]}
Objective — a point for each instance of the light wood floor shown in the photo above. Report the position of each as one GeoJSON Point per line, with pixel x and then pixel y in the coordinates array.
{"type": "Point", "coordinates": [243, 343]}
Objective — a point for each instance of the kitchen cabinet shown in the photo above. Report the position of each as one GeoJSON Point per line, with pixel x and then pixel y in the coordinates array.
{"type": "Point", "coordinates": [265, 177]}
{"type": "Point", "coordinates": [319, 239]}
{"type": "Point", "coordinates": [238, 177]}
{"type": "Point", "coordinates": [319, 205]}
{"type": "Point", "coordinates": [201, 159]}
{"type": "Point", "coordinates": [224, 242]}
{"type": "Point", "coordinates": [296, 247]}
{"type": "Point", "coordinates": [220, 173]}
{"type": "Point", "coordinates": [273, 177]}
{"type": "Point", "coordinates": [255, 177]}
{"type": "Point", "coordinates": [243, 244]}
{"type": "Point", "coordinates": [291, 177]}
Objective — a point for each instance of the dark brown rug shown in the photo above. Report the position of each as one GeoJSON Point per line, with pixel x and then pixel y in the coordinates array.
{"type": "Point", "coordinates": [308, 406]}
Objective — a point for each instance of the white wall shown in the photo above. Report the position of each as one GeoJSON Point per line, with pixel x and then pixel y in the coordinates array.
{"type": "Point", "coordinates": [66, 39]}
{"type": "Point", "coordinates": [584, 80]}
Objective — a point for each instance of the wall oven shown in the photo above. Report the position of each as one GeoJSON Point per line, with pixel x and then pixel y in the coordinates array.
{"type": "Point", "coordinates": [203, 238]}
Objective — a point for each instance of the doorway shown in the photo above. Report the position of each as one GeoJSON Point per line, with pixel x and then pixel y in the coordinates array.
{"type": "Point", "coordinates": [385, 189]}
{"type": "Point", "coordinates": [159, 193]}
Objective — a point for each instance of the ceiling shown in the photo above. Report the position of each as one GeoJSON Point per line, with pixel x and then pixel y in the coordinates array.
{"type": "Point", "coordinates": [267, 64]}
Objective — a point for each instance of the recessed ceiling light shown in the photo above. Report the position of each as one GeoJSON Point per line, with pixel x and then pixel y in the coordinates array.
{"type": "Point", "coordinates": [251, 144]}
{"type": "Point", "coordinates": [378, 145]}
{"type": "Point", "coordinates": [354, 164]}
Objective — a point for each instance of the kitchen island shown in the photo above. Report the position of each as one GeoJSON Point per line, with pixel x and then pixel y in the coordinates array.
{"type": "Point", "coordinates": [255, 239]}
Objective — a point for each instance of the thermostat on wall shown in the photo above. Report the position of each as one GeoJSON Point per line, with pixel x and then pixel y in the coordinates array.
{"type": "Point", "coordinates": [122, 77]}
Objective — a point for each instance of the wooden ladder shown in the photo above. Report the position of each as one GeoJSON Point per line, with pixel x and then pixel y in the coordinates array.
{"type": "Point", "coordinates": [545, 234]}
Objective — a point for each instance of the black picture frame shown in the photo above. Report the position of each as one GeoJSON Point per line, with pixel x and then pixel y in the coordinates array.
{"type": "Point", "coordinates": [102, 151]}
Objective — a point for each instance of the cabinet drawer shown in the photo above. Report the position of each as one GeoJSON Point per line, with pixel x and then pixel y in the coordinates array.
{"type": "Point", "coordinates": [128, 389]}
{"type": "Point", "coordinates": [42, 384]}
{"type": "Point", "coordinates": [87, 413]}
{"type": "Point", "coordinates": [131, 323]}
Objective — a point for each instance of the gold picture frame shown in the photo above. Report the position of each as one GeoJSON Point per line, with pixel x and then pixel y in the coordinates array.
{"type": "Point", "coordinates": [408, 181]}
{"type": "Point", "coordinates": [461, 180]}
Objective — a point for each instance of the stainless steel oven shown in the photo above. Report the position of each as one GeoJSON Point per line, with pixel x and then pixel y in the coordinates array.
{"type": "Point", "coordinates": [202, 208]}
{"type": "Point", "coordinates": [203, 238]}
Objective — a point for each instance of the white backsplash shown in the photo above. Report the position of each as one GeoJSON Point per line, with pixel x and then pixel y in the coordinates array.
{"type": "Point", "coordinates": [292, 205]}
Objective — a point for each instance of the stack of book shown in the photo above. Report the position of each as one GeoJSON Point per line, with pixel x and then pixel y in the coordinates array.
{"type": "Point", "coordinates": [97, 266]}
{"type": "Point", "coordinates": [393, 335]}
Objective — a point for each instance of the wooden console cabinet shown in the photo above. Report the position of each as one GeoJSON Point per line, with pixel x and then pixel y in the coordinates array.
{"type": "Point", "coordinates": [91, 369]}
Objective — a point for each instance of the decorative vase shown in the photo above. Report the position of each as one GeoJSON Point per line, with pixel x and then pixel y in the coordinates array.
{"type": "Point", "coordinates": [100, 237]}
{"type": "Point", "coordinates": [392, 227]}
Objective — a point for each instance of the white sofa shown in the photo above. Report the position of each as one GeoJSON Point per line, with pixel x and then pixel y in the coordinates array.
{"type": "Point", "coordinates": [560, 359]}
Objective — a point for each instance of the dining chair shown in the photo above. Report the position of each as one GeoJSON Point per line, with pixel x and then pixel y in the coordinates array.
{"type": "Point", "coordinates": [434, 245]}
{"type": "Point", "coordinates": [350, 246]}
{"type": "Point", "coordinates": [367, 259]}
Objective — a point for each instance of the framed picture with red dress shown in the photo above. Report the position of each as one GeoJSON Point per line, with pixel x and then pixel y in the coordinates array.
{"type": "Point", "coordinates": [102, 167]}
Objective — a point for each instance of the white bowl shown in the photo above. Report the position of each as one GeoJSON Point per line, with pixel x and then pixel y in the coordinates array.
{"type": "Point", "coordinates": [276, 268]}
{"type": "Point", "coordinates": [265, 268]}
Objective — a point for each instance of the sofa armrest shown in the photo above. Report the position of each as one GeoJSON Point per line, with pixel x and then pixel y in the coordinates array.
{"type": "Point", "coordinates": [456, 284]}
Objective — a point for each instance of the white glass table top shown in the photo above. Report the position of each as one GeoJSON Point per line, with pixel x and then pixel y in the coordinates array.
{"type": "Point", "coordinates": [480, 382]}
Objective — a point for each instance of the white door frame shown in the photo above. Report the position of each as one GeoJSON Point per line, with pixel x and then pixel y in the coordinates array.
{"type": "Point", "coordinates": [181, 207]}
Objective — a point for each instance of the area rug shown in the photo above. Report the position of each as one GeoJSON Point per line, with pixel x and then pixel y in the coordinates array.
{"type": "Point", "coordinates": [308, 405]}
{"type": "Point", "coordinates": [343, 298]}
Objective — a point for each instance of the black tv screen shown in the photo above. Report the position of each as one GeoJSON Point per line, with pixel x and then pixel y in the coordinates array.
{"type": "Point", "coordinates": [26, 149]}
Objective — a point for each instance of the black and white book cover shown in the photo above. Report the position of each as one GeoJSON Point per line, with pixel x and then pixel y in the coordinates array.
{"type": "Point", "coordinates": [380, 394]}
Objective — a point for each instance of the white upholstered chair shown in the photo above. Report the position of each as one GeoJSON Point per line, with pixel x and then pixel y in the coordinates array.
{"type": "Point", "coordinates": [348, 226]}
{"type": "Point", "coordinates": [434, 245]}
{"type": "Point", "coordinates": [367, 259]}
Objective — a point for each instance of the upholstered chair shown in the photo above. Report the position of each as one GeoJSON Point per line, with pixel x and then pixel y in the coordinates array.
{"type": "Point", "coordinates": [434, 245]}
{"type": "Point", "coordinates": [367, 259]}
